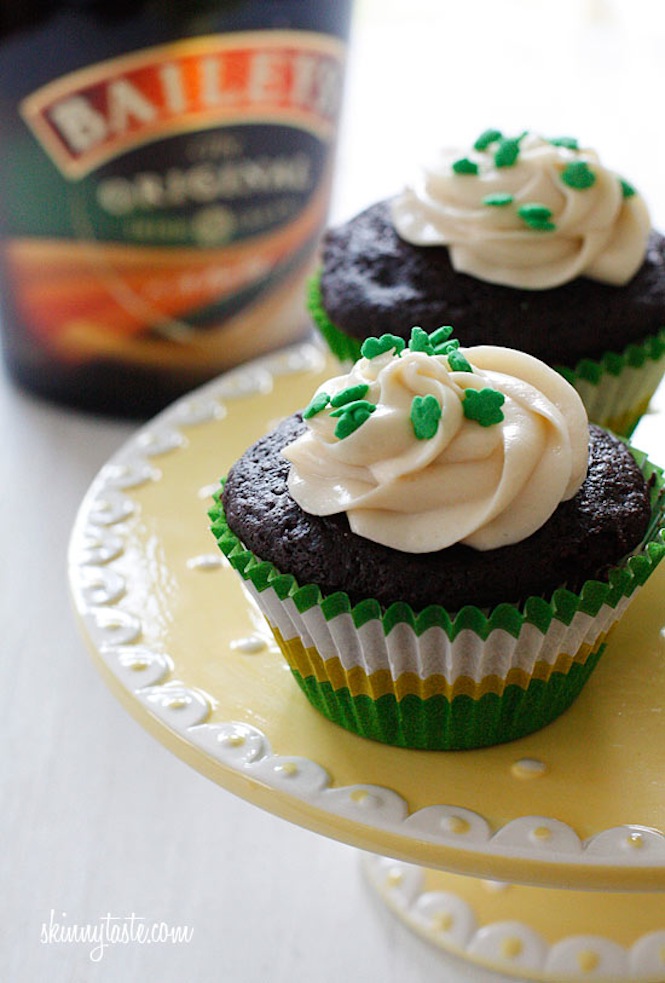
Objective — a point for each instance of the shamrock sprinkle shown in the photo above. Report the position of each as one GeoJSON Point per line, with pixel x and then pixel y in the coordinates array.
{"type": "Point", "coordinates": [627, 190]}
{"type": "Point", "coordinates": [446, 347]}
{"type": "Point", "coordinates": [420, 341]}
{"type": "Point", "coordinates": [319, 403]}
{"type": "Point", "coordinates": [536, 216]}
{"type": "Point", "coordinates": [349, 395]}
{"type": "Point", "coordinates": [483, 406]}
{"type": "Point", "coordinates": [465, 166]}
{"type": "Point", "coordinates": [440, 335]}
{"type": "Point", "coordinates": [458, 362]}
{"type": "Point", "coordinates": [372, 347]}
{"type": "Point", "coordinates": [570, 143]}
{"type": "Point", "coordinates": [498, 199]}
{"type": "Point", "coordinates": [486, 138]}
{"type": "Point", "coordinates": [425, 416]}
{"type": "Point", "coordinates": [351, 416]}
{"type": "Point", "coordinates": [507, 152]}
{"type": "Point", "coordinates": [578, 175]}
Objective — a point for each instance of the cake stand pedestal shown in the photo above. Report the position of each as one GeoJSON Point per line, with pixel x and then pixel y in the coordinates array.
{"type": "Point", "coordinates": [543, 859]}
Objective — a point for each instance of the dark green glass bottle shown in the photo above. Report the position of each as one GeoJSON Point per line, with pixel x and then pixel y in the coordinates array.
{"type": "Point", "coordinates": [165, 171]}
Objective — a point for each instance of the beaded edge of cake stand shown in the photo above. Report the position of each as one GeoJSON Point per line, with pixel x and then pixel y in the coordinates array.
{"type": "Point", "coordinates": [450, 922]}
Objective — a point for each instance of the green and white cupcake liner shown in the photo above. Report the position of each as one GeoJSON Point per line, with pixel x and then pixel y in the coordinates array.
{"type": "Point", "coordinates": [615, 389]}
{"type": "Point", "coordinates": [439, 680]}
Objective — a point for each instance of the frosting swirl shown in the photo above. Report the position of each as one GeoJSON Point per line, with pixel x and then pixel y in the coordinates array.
{"type": "Point", "coordinates": [527, 212]}
{"type": "Point", "coordinates": [426, 448]}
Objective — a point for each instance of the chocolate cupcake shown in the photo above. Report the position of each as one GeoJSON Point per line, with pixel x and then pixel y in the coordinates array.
{"type": "Point", "coordinates": [526, 243]}
{"type": "Point", "coordinates": [439, 542]}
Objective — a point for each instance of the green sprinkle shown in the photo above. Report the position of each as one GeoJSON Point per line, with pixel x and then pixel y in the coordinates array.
{"type": "Point", "coordinates": [351, 416]}
{"type": "Point", "coordinates": [349, 424]}
{"type": "Point", "coordinates": [425, 416]}
{"type": "Point", "coordinates": [483, 406]}
{"type": "Point", "coordinates": [379, 346]}
{"type": "Point", "coordinates": [458, 362]}
{"type": "Point", "coordinates": [465, 166]}
{"type": "Point", "coordinates": [487, 137]}
{"type": "Point", "coordinates": [570, 143]}
{"type": "Point", "coordinates": [507, 153]}
{"type": "Point", "coordinates": [355, 407]}
{"type": "Point", "coordinates": [446, 347]}
{"type": "Point", "coordinates": [536, 216]}
{"type": "Point", "coordinates": [420, 341]}
{"type": "Point", "coordinates": [319, 403]}
{"type": "Point", "coordinates": [627, 190]}
{"type": "Point", "coordinates": [498, 199]}
{"type": "Point", "coordinates": [578, 175]}
{"type": "Point", "coordinates": [439, 335]}
{"type": "Point", "coordinates": [350, 395]}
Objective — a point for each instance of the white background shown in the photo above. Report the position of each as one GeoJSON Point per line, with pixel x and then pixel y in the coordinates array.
{"type": "Point", "coordinates": [96, 817]}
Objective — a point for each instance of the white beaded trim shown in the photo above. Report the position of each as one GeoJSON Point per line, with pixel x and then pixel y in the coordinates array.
{"type": "Point", "coordinates": [512, 947]}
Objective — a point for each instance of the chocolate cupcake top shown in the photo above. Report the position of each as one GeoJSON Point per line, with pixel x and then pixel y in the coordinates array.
{"type": "Point", "coordinates": [370, 276]}
{"type": "Point", "coordinates": [523, 241]}
{"type": "Point", "coordinates": [436, 475]}
{"type": "Point", "coordinates": [527, 212]}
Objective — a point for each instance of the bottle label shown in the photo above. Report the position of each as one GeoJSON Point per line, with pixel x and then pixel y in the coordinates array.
{"type": "Point", "coordinates": [196, 179]}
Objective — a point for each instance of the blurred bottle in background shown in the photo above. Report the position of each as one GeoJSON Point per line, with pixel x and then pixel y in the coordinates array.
{"type": "Point", "coordinates": [165, 174]}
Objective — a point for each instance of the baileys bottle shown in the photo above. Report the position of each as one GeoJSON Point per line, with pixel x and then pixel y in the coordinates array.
{"type": "Point", "coordinates": [165, 172]}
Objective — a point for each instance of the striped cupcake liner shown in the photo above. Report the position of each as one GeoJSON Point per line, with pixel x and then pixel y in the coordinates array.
{"type": "Point", "coordinates": [439, 680]}
{"type": "Point", "coordinates": [615, 389]}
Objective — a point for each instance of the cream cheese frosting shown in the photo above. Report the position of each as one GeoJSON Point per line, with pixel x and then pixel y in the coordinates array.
{"type": "Point", "coordinates": [432, 445]}
{"type": "Point", "coordinates": [527, 212]}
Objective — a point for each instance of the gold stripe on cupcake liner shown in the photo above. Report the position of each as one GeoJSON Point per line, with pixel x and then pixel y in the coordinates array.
{"type": "Point", "coordinates": [309, 663]}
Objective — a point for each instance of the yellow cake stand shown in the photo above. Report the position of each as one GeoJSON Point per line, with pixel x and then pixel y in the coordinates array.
{"type": "Point", "coordinates": [543, 859]}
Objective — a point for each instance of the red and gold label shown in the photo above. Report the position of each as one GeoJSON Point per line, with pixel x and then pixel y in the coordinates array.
{"type": "Point", "coordinates": [196, 177]}
{"type": "Point", "coordinates": [97, 113]}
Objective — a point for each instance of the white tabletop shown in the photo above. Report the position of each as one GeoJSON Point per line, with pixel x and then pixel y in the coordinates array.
{"type": "Point", "coordinates": [98, 820]}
